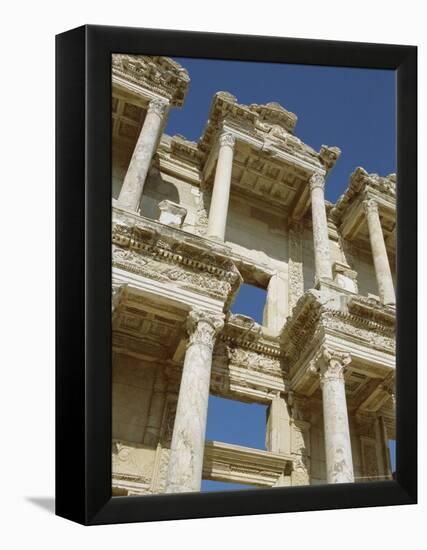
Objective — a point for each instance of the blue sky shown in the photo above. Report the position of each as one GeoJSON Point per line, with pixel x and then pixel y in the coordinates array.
{"type": "Point", "coordinates": [353, 109]}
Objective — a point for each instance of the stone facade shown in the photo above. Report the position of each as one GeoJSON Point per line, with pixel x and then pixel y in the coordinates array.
{"type": "Point", "coordinates": [191, 223]}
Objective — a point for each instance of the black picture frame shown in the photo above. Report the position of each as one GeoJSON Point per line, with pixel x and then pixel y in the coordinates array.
{"type": "Point", "coordinates": [83, 274]}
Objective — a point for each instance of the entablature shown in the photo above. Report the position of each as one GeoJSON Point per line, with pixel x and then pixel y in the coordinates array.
{"type": "Point", "coordinates": [238, 464]}
{"type": "Point", "coordinates": [247, 362]}
{"type": "Point", "coordinates": [172, 258]}
{"type": "Point", "coordinates": [269, 159]}
{"type": "Point", "coordinates": [151, 77]}
{"type": "Point", "coordinates": [351, 324]}
{"type": "Point", "coordinates": [349, 213]}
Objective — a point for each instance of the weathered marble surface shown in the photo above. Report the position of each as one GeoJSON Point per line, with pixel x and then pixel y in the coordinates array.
{"type": "Point", "coordinates": [188, 439]}
{"type": "Point", "coordinates": [339, 461]}
{"type": "Point", "coordinates": [322, 256]}
{"type": "Point", "coordinates": [280, 234]}
{"type": "Point", "coordinates": [379, 253]}
{"type": "Point", "coordinates": [221, 189]}
{"type": "Point", "coordinates": [133, 185]}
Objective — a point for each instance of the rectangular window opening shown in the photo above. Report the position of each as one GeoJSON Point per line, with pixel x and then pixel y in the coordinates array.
{"type": "Point", "coordinates": [236, 422]}
{"type": "Point", "coordinates": [250, 301]}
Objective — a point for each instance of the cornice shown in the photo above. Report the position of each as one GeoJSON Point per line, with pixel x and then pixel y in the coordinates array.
{"type": "Point", "coordinates": [149, 247]}
{"type": "Point", "coordinates": [268, 127]}
{"type": "Point", "coordinates": [158, 74]}
{"type": "Point", "coordinates": [243, 331]}
{"type": "Point", "coordinates": [365, 186]}
{"type": "Point", "coordinates": [360, 318]}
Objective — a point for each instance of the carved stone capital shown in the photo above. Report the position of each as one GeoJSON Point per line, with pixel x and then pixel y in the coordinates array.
{"type": "Point", "coordinates": [330, 365]}
{"type": "Point", "coordinates": [333, 365]}
{"type": "Point", "coordinates": [203, 327]}
{"type": "Point", "coordinates": [317, 181]}
{"type": "Point", "coordinates": [158, 106]}
{"type": "Point", "coordinates": [370, 206]}
{"type": "Point", "coordinates": [227, 138]}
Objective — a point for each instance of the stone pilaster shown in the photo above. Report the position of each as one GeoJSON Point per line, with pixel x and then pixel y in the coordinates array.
{"type": "Point", "coordinates": [295, 267]}
{"type": "Point", "coordinates": [188, 439]}
{"type": "Point", "coordinates": [339, 461]}
{"type": "Point", "coordinates": [157, 405]}
{"type": "Point", "coordinates": [133, 185]}
{"type": "Point", "coordinates": [276, 305]}
{"type": "Point", "coordinates": [221, 189]}
{"type": "Point", "coordinates": [322, 257]}
{"type": "Point", "coordinates": [379, 253]}
{"type": "Point", "coordinates": [278, 431]}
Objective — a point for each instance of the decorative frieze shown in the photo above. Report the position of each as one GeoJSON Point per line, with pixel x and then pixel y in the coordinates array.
{"type": "Point", "coordinates": [153, 74]}
{"type": "Point", "coordinates": [163, 255]}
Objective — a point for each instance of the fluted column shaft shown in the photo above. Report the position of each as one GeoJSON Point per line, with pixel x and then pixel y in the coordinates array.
{"type": "Point", "coordinates": [133, 184]}
{"type": "Point", "coordinates": [188, 438]}
{"type": "Point", "coordinates": [339, 461]}
{"type": "Point", "coordinates": [221, 189]}
{"type": "Point", "coordinates": [322, 257]}
{"type": "Point", "coordinates": [379, 253]}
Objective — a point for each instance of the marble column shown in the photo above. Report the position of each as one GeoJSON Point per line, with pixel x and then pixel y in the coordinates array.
{"type": "Point", "coordinates": [188, 438]}
{"type": "Point", "coordinates": [221, 189]}
{"type": "Point", "coordinates": [322, 256]}
{"type": "Point", "coordinates": [379, 253]}
{"type": "Point", "coordinates": [339, 461]}
{"type": "Point", "coordinates": [133, 185]}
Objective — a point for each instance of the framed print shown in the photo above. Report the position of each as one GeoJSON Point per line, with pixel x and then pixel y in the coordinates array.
{"type": "Point", "coordinates": [236, 275]}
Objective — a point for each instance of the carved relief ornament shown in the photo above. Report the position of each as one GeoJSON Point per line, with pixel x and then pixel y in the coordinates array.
{"type": "Point", "coordinates": [158, 106]}
{"type": "Point", "coordinates": [370, 206]}
{"type": "Point", "coordinates": [331, 365]}
{"type": "Point", "coordinates": [227, 138]}
{"type": "Point", "coordinates": [203, 327]}
{"type": "Point", "coordinates": [317, 181]}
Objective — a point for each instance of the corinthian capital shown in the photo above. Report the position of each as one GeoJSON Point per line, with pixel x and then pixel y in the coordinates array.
{"type": "Point", "coordinates": [203, 327]}
{"type": "Point", "coordinates": [227, 138]}
{"type": "Point", "coordinates": [370, 206]}
{"type": "Point", "coordinates": [158, 106]}
{"type": "Point", "coordinates": [330, 365]}
{"type": "Point", "coordinates": [317, 180]}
